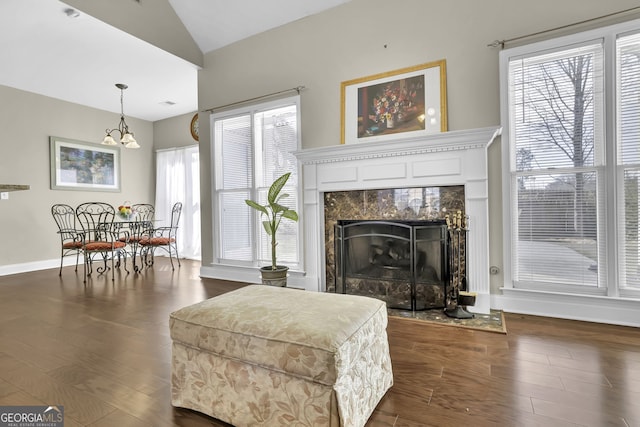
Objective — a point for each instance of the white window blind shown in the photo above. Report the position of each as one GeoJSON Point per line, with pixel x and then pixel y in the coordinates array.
{"type": "Point", "coordinates": [556, 155]}
{"type": "Point", "coordinates": [276, 140]}
{"type": "Point", "coordinates": [234, 164]}
{"type": "Point", "coordinates": [628, 136]}
{"type": "Point", "coordinates": [251, 149]}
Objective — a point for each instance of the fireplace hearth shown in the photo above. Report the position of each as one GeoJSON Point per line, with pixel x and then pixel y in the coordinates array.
{"type": "Point", "coordinates": [402, 262]}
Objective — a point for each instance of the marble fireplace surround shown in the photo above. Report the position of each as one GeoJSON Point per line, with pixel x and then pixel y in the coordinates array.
{"type": "Point", "coordinates": [443, 159]}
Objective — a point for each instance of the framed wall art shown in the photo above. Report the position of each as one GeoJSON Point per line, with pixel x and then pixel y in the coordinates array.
{"type": "Point", "coordinates": [407, 102]}
{"type": "Point", "coordinates": [78, 165]}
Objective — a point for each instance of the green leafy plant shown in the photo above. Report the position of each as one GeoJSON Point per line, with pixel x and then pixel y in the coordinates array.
{"type": "Point", "coordinates": [273, 212]}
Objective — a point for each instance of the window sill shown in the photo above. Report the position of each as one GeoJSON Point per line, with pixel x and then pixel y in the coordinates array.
{"type": "Point", "coordinates": [242, 273]}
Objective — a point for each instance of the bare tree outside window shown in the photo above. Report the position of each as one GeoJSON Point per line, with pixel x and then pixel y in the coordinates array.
{"type": "Point", "coordinates": [560, 101]}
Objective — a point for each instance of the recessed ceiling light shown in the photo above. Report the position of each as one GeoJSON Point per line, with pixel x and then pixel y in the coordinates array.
{"type": "Point", "coordinates": [71, 13]}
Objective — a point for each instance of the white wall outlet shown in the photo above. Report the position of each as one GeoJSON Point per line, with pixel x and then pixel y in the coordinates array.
{"type": "Point", "coordinates": [4, 195]}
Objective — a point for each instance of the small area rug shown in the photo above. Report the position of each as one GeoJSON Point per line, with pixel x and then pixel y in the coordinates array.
{"type": "Point", "coordinates": [492, 322]}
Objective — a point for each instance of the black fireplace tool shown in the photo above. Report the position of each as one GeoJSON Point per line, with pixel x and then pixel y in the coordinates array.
{"type": "Point", "coordinates": [458, 298]}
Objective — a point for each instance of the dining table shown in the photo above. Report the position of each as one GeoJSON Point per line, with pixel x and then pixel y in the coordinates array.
{"type": "Point", "coordinates": [131, 231]}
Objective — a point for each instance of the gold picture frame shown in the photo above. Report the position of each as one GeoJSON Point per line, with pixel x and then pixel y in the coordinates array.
{"type": "Point", "coordinates": [406, 102]}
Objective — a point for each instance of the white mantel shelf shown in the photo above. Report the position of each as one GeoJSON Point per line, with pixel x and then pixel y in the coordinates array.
{"type": "Point", "coordinates": [441, 159]}
{"type": "Point", "coordinates": [434, 143]}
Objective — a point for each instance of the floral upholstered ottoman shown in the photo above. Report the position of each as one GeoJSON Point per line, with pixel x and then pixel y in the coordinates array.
{"type": "Point", "coordinates": [271, 356]}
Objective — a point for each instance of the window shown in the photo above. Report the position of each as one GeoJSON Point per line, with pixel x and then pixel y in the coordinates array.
{"type": "Point", "coordinates": [253, 147]}
{"type": "Point", "coordinates": [572, 162]}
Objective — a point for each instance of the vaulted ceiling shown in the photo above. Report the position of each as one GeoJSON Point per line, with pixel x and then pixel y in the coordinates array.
{"type": "Point", "coordinates": [56, 49]}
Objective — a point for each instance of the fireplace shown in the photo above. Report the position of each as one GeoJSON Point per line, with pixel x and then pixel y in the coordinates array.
{"type": "Point", "coordinates": [404, 263]}
{"type": "Point", "coordinates": [446, 159]}
{"type": "Point", "coordinates": [389, 204]}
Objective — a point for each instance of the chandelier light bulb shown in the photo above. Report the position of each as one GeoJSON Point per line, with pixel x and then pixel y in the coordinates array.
{"type": "Point", "coordinates": [132, 144]}
{"type": "Point", "coordinates": [108, 140]}
{"type": "Point", "coordinates": [127, 138]}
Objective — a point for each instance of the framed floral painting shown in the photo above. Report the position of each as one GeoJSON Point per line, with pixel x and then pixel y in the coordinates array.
{"type": "Point", "coordinates": [407, 102]}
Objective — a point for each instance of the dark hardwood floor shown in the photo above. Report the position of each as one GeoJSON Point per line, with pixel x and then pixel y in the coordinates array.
{"type": "Point", "coordinates": [102, 350]}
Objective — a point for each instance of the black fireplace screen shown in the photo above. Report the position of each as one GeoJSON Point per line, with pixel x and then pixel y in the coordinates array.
{"type": "Point", "coordinates": [401, 262]}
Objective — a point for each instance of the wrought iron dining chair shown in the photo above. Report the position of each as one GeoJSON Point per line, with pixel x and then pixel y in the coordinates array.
{"type": "Point", "coordinates": [164, 238]}
{"type": "Point", "coordinates": [100, 237]}
{"type": "Point", "coordinates": [145, 215]}
{"type": "Point", "coordinates": [140, 226]}
{"type": "Point", "coordinates": [70, 236]}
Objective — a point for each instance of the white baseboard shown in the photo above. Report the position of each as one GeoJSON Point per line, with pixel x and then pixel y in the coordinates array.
{"type": "Point", "coordinates": [26, 267]}
{"type": "Point", "coordinates": [616, 311]}
{"type": "Point", "coordinates": [235, 274]}
{"type": "Point", "coordinates": [252, 275]}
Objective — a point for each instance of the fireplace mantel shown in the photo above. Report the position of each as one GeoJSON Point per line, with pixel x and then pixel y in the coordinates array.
{"type": "Point", "coordinates": [435, 143]}
{"type": "Point", "coordinates": [448, 158]}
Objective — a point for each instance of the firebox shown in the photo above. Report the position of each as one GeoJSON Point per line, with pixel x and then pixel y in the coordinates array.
{"type": "Point", "coordinates": [403, 262]}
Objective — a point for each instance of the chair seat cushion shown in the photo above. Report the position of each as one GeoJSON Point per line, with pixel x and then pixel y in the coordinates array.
{"type": "Point", "coordinates": [131, 239]}
{"type": "Point", "coordinates": [72, 245]}
{"type": "Point", "coordinates": [157, 241]}
{"type": "Point", "coordinates": [103, 246]}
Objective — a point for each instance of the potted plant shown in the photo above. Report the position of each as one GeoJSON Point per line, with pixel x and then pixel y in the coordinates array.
{"type": "Point", "coordinates": [273, 213]}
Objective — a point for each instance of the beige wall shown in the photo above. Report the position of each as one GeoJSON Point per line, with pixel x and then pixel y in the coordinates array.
{"type": "Point", "coordinates": [27, 120]}
{"type": "Point", "coordinates": [173, 132]}
{"type": "Point", "coordinates": [366, 37]}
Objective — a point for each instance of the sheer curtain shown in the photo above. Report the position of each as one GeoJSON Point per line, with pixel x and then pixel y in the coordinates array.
{"type": "Point", "coordinates": [178, 180]}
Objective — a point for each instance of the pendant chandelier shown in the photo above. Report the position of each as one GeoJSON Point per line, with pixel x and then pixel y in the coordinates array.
{"type": "Point", "coordinates": [126, 137]}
